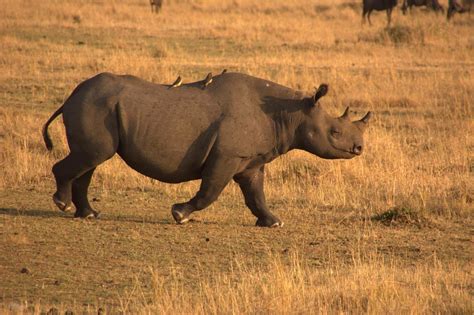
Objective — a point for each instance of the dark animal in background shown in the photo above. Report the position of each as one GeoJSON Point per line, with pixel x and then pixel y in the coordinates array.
{"type": "Point", "coordinates": [432, 4]}
{"type": "Point", "coordinates": [467, 3]}
{"type": "Point", "coordinates": [228, 131]}
{"type": "Point", "coordinates": [378, 5]}
{"type": "Point", "coordinates": [455, 7]}
{"type": "Point", "coordinates": [156, 5]}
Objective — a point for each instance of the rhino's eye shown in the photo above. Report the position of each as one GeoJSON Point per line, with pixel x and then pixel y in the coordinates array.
{"type": "Point", "coordinates": [336, 133]}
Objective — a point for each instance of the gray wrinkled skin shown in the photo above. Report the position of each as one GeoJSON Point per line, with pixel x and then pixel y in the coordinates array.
{"type": "Point", "coordinates": [228, 131]}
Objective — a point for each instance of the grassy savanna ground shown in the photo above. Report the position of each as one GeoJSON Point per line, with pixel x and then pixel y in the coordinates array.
{"type": "Point", "coordinates": [390, 231]}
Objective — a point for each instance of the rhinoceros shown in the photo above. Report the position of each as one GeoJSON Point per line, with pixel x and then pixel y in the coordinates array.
{"type": "Point", "coordinates": [227, 131]}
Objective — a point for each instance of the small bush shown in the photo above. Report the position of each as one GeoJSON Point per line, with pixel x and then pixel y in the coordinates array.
{"type": "Point", "coordinates": [159, 53]}
{"type": "Point", "coordinates": [401, 217]}
{"type": "Point", "coordinates": [321, 8]}
{"type": "Point", "coordinates": [77, 19]}
{"type": "Point", "coordinates": [400, 34]}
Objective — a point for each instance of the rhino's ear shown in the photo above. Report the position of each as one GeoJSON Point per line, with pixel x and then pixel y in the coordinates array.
{"type": "Point", "coordinates": [320, 92]}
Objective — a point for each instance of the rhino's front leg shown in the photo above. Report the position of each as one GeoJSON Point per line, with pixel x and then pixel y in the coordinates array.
{"type": "Point", "coordinates": [216, 175]}
{"type": "Point", "coordinates": [251, 184]}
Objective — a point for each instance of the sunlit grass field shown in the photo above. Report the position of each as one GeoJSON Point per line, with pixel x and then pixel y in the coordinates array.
{"type": "Point", "coordinates": [389, 231]}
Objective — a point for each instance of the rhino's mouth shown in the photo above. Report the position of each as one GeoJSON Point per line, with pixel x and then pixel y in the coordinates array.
{"type": "Point", "coordinates": [354, 152]}
{"type": "Point", "coordinates": [350, 152]}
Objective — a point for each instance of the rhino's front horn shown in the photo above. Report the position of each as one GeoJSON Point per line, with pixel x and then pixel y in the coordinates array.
{"type": "Point", "coordinates": [346, 114]}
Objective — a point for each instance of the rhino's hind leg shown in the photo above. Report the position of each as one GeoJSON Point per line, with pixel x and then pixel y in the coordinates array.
{"type": "Point", "coordinates": [65, 171]}
{"type": "Point", "coordinates": [73, 175]}
{"type": "Point", "coordinates": [79, 196]}
{"type": "Point", "coordinates": [251, 184]}
{"type": "Point", "coordinates": [216, 175]}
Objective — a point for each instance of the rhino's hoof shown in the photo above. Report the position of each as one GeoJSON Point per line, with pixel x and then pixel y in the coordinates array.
{"type": "Point", "coordinates": [178, 216]}
{"type": "Point", "coordinates": [269, 222]}
{"type": "Point", "coordinates": [181, 212]}
{"type": "Point", "coordinates": [277, 224]}
{"type": "Point", "coordinates": [61, 205]}
{"type": "Point", "coordinates": [86, 214]}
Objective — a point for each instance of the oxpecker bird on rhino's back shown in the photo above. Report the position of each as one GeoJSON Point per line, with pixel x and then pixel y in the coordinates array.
{"type": "Point", "coordinates": [227, 131]}
{"type": "Point", "coordinates": [207, 80]}
{"type": "Point", "coordinates": [177, 82]}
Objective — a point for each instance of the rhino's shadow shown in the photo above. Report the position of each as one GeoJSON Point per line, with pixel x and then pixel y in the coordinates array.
{"type": "Point", "coordinates": [33, 213]}
{"type": "Point", "coordinates": [45, 214]}
{"type": "Point", "coordinates": [37, 213]}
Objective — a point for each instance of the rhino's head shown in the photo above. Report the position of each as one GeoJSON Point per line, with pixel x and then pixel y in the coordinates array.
{"type": "Point", "coordinates": [329, 137]}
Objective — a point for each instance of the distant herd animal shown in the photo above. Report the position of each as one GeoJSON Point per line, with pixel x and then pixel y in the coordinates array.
{"type": "Point", "coordinates": [222, 128]}
{"type": "Point", "coordinates": [432, 4]}
{"type": "Point", "coordinates": [454, 6]}
{"type": "Point", "coordinates": [156, 5]}
{"type": "Point", "coordinates": [378, 5]}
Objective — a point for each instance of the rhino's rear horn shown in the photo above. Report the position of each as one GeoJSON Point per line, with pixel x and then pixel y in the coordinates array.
{"type": "Point", "coordinates": [362, 124]}
{"type": "Point", "coordinates": [346, 114]}
{"type": "Point", "coordinates": [366, 118]}
{"type": "Point", "coordinates": [320, 92]}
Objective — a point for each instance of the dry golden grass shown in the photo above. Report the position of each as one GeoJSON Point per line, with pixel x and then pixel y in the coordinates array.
{"type": "Point", "coordinates": [369, 285]}
{"type": "Point", "coordinates": [417, 77]}
{"type": "Point", "coordinates": [281, 288]}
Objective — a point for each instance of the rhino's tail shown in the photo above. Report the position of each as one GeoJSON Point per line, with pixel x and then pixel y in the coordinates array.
{"type": "Point", "coordinates": [46, 137]}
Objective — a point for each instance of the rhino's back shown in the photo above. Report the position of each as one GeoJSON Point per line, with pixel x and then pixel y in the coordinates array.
{"type": "Point", "coordinates": [166, 133]}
